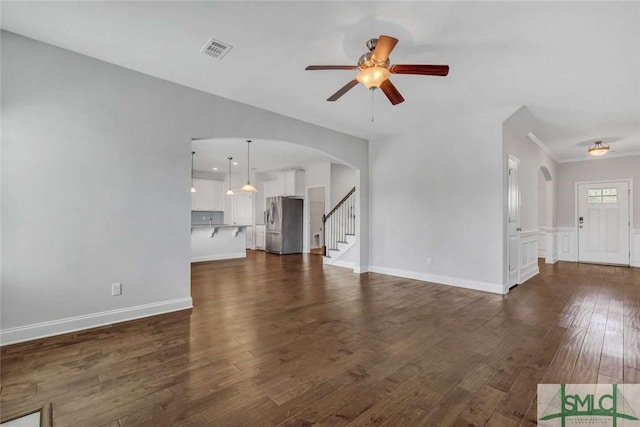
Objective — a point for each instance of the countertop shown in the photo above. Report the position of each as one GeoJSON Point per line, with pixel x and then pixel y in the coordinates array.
{"type": "Point", "coordinates": [218, 226]}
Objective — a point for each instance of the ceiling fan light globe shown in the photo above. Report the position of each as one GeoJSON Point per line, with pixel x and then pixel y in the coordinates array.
{"type": "Point", "coordinates": [372, 77]}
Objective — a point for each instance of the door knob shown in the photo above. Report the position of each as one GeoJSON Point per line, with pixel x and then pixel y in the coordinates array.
{"type": "Point", "coordinates": [518, 229]}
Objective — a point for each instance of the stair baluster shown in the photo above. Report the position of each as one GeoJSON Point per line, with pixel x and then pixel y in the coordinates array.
{"type": "Point", "coordinates": [339, 222]}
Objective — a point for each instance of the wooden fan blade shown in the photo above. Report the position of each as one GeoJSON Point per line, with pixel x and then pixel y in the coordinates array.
{"type": "Point", "coordinates": [425, 70]}
{"type": "Point", "coordinates": [392, 93]}
{"type": "Point", "coordinates": [384, 46]}
{"type": "Point", "coordinates": [331, 67]}
{"type": "Point", "coordinates": [343, 90]}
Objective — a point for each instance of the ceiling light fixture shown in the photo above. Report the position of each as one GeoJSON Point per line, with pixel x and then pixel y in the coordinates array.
{"type": "Point", "coordinates": [248, 188]}
{"type": "Point", "coordinates": [372, 77]}
{"type": "Point", "coordinates": [598, 149]}
{"type": "Point", "coordinates": [193, 189]}
{"type": "Point", "coordinates": [215, 169]}
{"type": "Point", "coordinates": [230, 191]}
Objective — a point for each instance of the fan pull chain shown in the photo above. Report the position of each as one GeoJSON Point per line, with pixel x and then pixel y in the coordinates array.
{"type": "Point", "coordinates": [372, 98]}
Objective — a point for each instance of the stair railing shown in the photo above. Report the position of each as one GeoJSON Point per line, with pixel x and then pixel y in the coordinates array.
{"type": "Point", "coordinates": [339, 222]}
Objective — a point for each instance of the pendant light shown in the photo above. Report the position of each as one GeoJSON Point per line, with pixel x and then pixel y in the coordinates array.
{"type": "Point", "coordinates": [598, 149]}
{"type": "Point", "coordinates": [193, 188]}
{"type": "Point", "coordinates": [248, 188]}
{"type": "Point", "coordinates": [230, 191]}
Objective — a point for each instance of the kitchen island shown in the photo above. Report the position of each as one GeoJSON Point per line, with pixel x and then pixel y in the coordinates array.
{"type": "Point", "coordinates": [217, 241]}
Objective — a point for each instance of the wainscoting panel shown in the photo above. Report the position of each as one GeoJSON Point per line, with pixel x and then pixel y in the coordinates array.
{"type": "Point", "coordinates": [528, 255]}
{"type": "Point", "coordinates": [548, 244]}
{"type": "Point", "coordinates": [635, 248]}
{"type": "Point", "coordinates": [542, 244]}
{"type": "Point", "coordinates": [567, 244]}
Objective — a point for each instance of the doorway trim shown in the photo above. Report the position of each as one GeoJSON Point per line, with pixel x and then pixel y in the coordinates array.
{"type": "Point", "coordinates": [306, 244]}
{"type": "Point", "coordinates": [575, 213]}
{"type": "Point", "coordinates": [513, 163]}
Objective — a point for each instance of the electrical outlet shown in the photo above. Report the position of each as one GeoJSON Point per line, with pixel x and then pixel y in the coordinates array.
{"type": "Point", "coordinates": [116, 289]}
{"type": "Point", "coordinates": [429, 261]}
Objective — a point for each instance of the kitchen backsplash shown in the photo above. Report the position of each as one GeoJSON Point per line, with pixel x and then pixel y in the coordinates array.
{"type": "Point", "coordinates": [207, 217]}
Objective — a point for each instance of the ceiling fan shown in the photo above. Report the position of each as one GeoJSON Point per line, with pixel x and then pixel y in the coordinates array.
{"type": "Point", "coordinates": [374, 69]}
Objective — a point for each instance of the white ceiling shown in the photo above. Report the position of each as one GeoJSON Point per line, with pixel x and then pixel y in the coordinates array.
{"type": "Point", "coordinates": [576, 65]}
{"type": "Point", "coordinates": [266, 155]}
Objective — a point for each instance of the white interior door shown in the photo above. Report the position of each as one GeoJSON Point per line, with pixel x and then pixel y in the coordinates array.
{"type": "Point", "coordinates": [316, 197]}
{"type": "Point", "coordinates": [513, 224]}
{"type": "Point", "coordinates": [317, 210]}
{"type": "Point", "coordinates": [603, 222]}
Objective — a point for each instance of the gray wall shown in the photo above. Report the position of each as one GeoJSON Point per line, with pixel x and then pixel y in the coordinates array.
{"type": "Point", "coordinates": [437, 193]}
{"type": "Point", "coordinates": [343, 179]}
{"type": "Point", "coordinates": [595, 170]}
{"type": "Point", "coordinates": [95, 180]}
{"type": "Point", "coordinates": [515, 131]}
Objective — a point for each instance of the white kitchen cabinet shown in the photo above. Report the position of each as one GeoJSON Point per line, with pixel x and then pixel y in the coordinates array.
{"type": "Point", "coordinates": [285, 183]}
{"type": "Point", "coordinates": [208, 195]}
{"type": "Point", "coordinates": [270, 188]}
{"type": "Point", "coordinates": [294, 183]}
{"type": "Point", "coordinates": [281, 184]}
{"type": "Point", "coordinates": [248, 232]}
{"type": "Point", "coordinates": [242, 208]}
{"type": "Point", "coordinates": [218, 195]}
{"type": "Point", "coordinates": [260, 237]}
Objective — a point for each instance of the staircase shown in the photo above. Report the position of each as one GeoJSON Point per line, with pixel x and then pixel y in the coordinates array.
{"type": "Point", "coordinates": [339, 227]}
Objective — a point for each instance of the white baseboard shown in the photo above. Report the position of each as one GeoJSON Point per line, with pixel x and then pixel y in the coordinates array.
{"type": "Point", "coordinates": [443, 280]}
{"type": "Point", "coordinates": [529, 273]}
{"type": "Point", "coordinates": [219, 257]}
{"type": "Point", "coordinates": [78, 323]}
{"type": "Point", "coordinates": [343, 264]}
{"type": "Point", "coordinates": [635, 248]}
{"type": "Point", "coordinates": [360, 270]}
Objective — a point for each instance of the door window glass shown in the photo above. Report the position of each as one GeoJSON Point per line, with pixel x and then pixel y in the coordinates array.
{"type": "Point", "coordinates": [602, 195]}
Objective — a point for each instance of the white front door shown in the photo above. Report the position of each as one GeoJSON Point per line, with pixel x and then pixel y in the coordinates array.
{"type": "Point", "coordinates": [603, 222]}
{"type": "Point", "coordinates": [513, 224]}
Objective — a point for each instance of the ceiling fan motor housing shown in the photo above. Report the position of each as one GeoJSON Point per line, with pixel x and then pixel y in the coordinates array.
{"type": "Point", "coordinates": [367, 61]}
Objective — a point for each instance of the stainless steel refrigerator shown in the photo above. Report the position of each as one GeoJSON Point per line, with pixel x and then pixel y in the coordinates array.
{"type": "Point", "coordinates": [283, 225]}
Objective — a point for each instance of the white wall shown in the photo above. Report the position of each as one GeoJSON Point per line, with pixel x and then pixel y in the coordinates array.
{"type": "Point", "coordinates": [317, 175]}
{"type": "Point", "coordinates": [438, 193]}
{"type": "Point", "coordinates": [95, 177]}
{"type": "Point", "coordinates": [546, 201]}
{"type": "Point", "coordinates": [343, 179]}
{"type": "Point", "coordinates": [537, 196]}
{"type": "Point", "coordinates": [595, 170]}
{"type": "Point", "coordinates": [316, 211]}
{"type": "Point", "coordinates": [515, 131]}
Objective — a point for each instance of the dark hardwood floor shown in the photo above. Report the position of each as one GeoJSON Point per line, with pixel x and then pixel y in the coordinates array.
{"type": "Point", "coordinates": [282, 340]}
